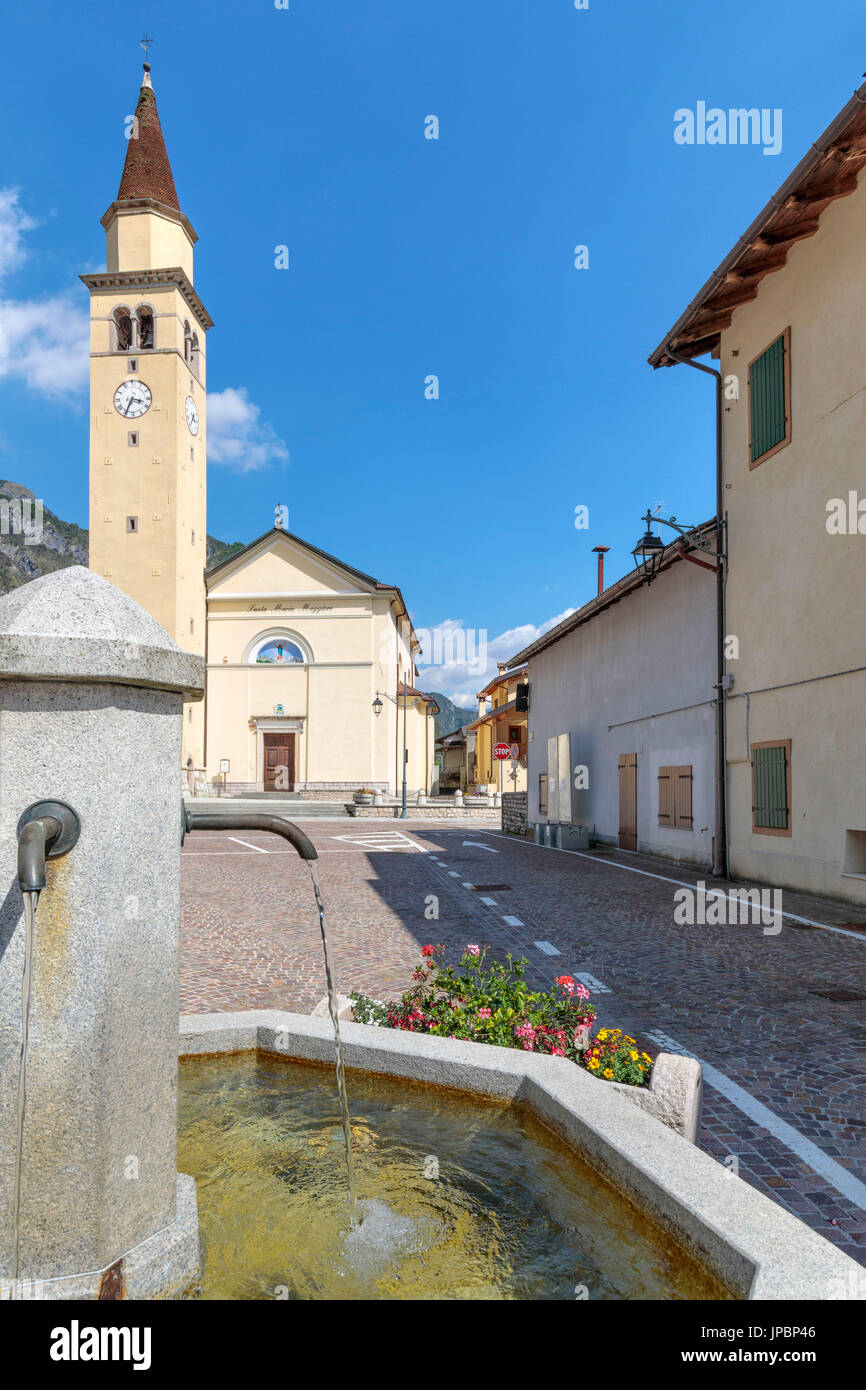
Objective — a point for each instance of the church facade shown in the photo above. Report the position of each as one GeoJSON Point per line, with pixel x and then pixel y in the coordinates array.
{"type": "Point", "coordinates": [310, 675]}
{"type": "Point", "coordinates": [311, 663]}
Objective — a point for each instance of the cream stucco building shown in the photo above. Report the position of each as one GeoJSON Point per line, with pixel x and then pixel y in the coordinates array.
{"type": "Point", "coordinates": [784, 316]}
{"type": "Point", "coordinates": [311, 664]}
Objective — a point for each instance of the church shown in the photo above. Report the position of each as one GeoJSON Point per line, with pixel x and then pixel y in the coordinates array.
{"type": "Point", "coordinates": [311, 663]}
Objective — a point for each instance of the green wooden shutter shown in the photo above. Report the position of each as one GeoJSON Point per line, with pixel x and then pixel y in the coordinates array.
{"type": "Point", "coordinates": [769, 409]}
{"type": "Point", "coordinates": [770, 778]}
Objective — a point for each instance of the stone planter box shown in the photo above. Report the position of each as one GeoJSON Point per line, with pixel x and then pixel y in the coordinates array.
{"type": "Point", "coordinates": [363, 798]}
{"type": "Point", "coordinates": [754, 1247]}
{"type": "Point", "coordinates": [673, 1096]}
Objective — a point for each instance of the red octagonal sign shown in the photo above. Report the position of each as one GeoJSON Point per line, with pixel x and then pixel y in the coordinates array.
{"type": "Point", "coordinates": [501, 751]}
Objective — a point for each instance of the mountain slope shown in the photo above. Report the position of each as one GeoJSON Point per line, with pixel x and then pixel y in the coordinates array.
{"type": "Point", "coordinates": [450, 716]}
{"type": "Point", "coordinates": [62, 543]}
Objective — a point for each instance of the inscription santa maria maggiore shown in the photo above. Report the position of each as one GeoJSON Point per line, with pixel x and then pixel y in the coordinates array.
{"type": "Point", "coordinates": [311, 608]}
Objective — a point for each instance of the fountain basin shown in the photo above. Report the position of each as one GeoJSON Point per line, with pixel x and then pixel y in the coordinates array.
{"type": "Point", "coordinates": [460, 1196]}
{"type": "Point", "coordinates": [733, 1236]}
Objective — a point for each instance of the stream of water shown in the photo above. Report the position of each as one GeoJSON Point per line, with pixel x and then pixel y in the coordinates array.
{"type": "Point", "coordinates": [30, 901]}
{"type": "Point", "coordinates": [355, 1213]}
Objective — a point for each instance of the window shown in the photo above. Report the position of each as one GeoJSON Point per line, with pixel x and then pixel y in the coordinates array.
{"type": "Point", "coordinates": [514, 733]}
{"type": "Point", "coordinates": [771, 788]}
{"type": "Point", "coordinates": [121, 329]}
{"type": "Point", "coordinates": [132, 523]}
{"type": "Point", "coordinates": [675, 797]}
{"type": "Point", "coordinates": [280, 651]}
{"type": "Point", "coordinates": [542, 793]}
{"type": "Point", "coordinates": [132, 364]}
{"type": "Point", "coordinates": [187, 341]}
{"type": "Point", "coordinates": [132, 439]}
{"type": "Point", "coordinates": [194, 354]}
{"type": "Point", "coordinates": [770, 400]}
{"type": "Point", "coordinates": [144, 316]}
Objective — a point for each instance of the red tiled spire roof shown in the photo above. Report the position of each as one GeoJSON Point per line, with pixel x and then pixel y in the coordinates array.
{"type": "Point", "coordinates": [147, 172]}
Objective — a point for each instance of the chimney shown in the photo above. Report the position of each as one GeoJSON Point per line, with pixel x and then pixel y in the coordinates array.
{"type": "Point", "coordinates": [600, 551]}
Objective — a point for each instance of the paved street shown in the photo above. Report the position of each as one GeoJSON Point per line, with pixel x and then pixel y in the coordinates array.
{"type": "Point", "coordinates": [779, 1021]}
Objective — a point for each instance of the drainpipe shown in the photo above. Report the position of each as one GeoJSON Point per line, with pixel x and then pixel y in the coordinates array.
{"type": "Point", "coordinates": [720, 867]}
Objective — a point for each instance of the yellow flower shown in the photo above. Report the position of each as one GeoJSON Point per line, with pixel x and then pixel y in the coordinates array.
{"type": "Point", "coordinates": [608, 1073]}
{"type": "Point", "coordinates": [602, 1032]}
{"type": "Point", "coordinates": [633, 1055]}
{"type": "Point", "coordinates": [594, 1064]}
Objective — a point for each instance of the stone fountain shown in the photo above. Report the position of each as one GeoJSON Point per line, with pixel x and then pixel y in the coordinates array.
{"type": "Point", "coordinates": [91, 708]}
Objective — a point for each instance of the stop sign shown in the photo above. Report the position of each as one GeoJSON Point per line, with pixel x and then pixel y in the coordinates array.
{"type": "Point", "coordinates": [501, 751]}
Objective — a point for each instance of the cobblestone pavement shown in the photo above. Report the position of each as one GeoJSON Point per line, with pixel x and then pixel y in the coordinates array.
{"type": "Point", "coordinates": [758, 1009]}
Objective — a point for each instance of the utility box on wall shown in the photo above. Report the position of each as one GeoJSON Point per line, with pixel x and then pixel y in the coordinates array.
{"type": "Point", "coordinates": [559, 808]}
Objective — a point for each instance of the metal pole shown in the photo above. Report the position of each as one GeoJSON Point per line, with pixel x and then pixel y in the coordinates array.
{"type": "Point", "coordinates": [404, 814]}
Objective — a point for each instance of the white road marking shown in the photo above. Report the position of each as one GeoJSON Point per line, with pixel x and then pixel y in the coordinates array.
{"type": "Point", "coordinates": [512, 921]}
{"type": "Point", "coordinates": [468, 885]}
{"type": "Point", "coordinates": [491, 902]}
{"type": "Point", "coordinates": [546, 947]}
{"type": "Point", "coordinates": [680, 883]}
{"type": "Point", "coordinates": [227, 853]}
{"type": "Point", "coordinates": [822, 1163]}
{"type": "Point", "coordinates": [593, 985]}
{"type": "Point", "coordinates": [476, 844]}
{"type": "Point", "coordinates": [247, 844]}
{"type": "Point", "coordinates": [384, 840]}
{"type": "Point", "coordinates": [452, 873]}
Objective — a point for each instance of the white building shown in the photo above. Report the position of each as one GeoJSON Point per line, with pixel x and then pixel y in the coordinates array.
{"type": "Point", "coordinates": [622, 715]}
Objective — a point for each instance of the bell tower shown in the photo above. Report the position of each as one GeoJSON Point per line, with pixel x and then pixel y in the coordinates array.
{"type": "Point", "coordinates": [148, 401]}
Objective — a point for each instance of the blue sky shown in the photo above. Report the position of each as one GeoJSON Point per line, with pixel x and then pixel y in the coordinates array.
{"type": "Point", "coordinates": [410, 257]}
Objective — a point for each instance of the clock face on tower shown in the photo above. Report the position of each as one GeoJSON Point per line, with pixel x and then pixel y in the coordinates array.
{"type": "Point", "coordinates": [131, 399]}
{"type": "Point", "coordinates": [191, 415]}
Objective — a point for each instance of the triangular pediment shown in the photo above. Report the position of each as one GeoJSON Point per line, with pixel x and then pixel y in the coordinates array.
{"type": "Point", "coordinates": [280, 563]}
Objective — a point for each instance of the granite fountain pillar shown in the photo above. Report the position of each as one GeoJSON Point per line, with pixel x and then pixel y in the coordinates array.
{"type": "Point", "coordinates": [91, 709]}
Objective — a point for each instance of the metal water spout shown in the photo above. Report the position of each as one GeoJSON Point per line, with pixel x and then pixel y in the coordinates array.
{"type": "Point", "coordinates": [46, 830]}
{"type": "Point", "coordinates": [253, 820]}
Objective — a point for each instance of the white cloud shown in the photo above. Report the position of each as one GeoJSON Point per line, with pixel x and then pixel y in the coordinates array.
{"type": "Point", "coordinates": [14, 221]}
{"type": "Point", "coordinates": [43, 342]}
{"type": "Point", "coordinates": [236, 434]}
{"type": "Point", "coordinates": [464, 659]}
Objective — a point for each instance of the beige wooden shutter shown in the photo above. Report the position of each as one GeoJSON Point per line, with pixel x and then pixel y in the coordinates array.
{"type": "Point", "coordinates": [666, 796]}
{"type": "Point", "coordinates": [682, 783]}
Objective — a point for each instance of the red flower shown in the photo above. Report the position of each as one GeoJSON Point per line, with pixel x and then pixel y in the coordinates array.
{"type": "Point", "coordinates": [427, 950]}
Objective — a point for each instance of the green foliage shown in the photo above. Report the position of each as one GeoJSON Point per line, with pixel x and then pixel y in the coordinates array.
{"type": "Point", "coordinates": [492, 1003]}
{"type": "Point", "coordinates": [367, 1010]}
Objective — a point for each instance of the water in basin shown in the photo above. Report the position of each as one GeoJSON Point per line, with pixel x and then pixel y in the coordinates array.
{"type": "Point", "coordinates": [460, 1198]}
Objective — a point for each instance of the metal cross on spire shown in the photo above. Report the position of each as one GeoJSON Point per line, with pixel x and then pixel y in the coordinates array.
{"type": "Point", "coordinates": [145, 43]}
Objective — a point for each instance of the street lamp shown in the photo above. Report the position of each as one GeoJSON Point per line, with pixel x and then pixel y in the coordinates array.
{"type": "Point", "coordinates": [650, 548]}
{"type": "Point", "coordinates": [648, 552]}
{"type": "Point", "coordinates": [377, 710]}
